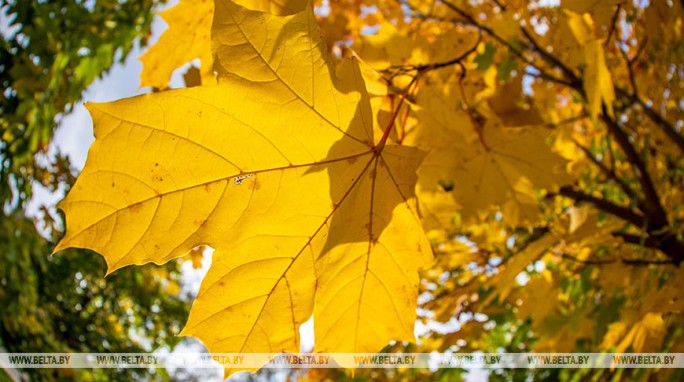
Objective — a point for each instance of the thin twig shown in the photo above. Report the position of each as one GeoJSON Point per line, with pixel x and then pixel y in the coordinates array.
{"type": "Point", "coordinates": [654, 209]}
{"type": "Point", "coordinates": [470, 19]}
{"type": "Point", "coordinates": [575, 81]}
{"type": "Point", "coordinates": [612, 25]}
{"type": "Point", "coordinates": [566, 121]}
{"type": "Point", "coordinates": [630, 70]}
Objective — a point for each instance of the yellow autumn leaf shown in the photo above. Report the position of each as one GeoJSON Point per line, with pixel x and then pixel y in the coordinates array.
{"type": "Point", "coordinates": [506, 26]}
{"type": "Point", "coordinates": [649, 333]}
{"type": "Point", "coordinates": [514, 163]}
{"type": "Point", "coordinates": [645, 335]}
{"type": "Point", "coordinates": [616, 332]}
{"type": "Point", "coordinates": [598, 82]}
{"type": "Point", "coordinates": [503, 169]}
{"type": "Point", "coordinates": [187, 38]}
{"type": "Point", "coordinates": [278, 168]}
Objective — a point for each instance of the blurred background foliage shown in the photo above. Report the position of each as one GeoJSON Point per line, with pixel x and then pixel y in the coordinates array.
{"type": "Point", "coordinates": [50, 52]}
{"type": "Point", "coordinates": [53, 51]}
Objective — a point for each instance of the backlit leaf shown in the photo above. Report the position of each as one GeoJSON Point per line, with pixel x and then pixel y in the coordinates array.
{"type": "Point", "coordinates": [277, 168]}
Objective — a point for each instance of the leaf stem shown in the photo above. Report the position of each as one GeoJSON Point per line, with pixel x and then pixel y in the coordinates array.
{"type": "Point", "coordinates": [381, 144]}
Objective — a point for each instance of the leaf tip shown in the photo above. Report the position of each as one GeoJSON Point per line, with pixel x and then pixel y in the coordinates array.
{"type": "Point", "coordinates": [59, 247]}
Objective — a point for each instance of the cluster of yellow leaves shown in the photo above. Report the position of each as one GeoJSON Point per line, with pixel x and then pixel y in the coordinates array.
{"type": "Point", "coordinates": [580, 238]}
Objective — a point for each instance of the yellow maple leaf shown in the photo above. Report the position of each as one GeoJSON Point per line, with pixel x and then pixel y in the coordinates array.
{"type": "Point", "coordinates": [646, 334]}
{"type": "Point", "coordinates": [506, 25]}
{"type": "Point", "coordinates": [505, 173]}
{"type": "Point", "coordinates": [278, 168]}
{"type": "Point", "coordinates": [598, 83]}
{"type": "Point", "coordinates": [187, 38]}
{"type": "Point", "coordinates": [449, 129]}
{"type": "Point", "coordinates": [508, 171]}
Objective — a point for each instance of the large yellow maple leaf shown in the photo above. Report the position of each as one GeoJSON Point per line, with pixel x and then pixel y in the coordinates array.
{"type": "Point", "coordinates": [277, 168]}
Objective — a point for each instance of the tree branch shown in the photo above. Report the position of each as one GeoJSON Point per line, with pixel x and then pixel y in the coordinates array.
{"type": "Point", "coordinates": [653, 208]}
{"type": "Point", "coordinates": [613, 24]}
{"type": "Point", "coordinates": [576, 118]}
{"type": "Point", "coordinates": [575, 82]}
{"type": "Point", "coordinates": [472, 21]}
{"type": "Point", "coordinates": [666, 242]}
{"type": "Point", "coordinates": [623, 213]}
{"type": "Point", "coordinates": [636, 262]}
{"type": "Point", "coordinates": [654, 219]}
{"type": "Point", "coordinates": [438, 65]}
